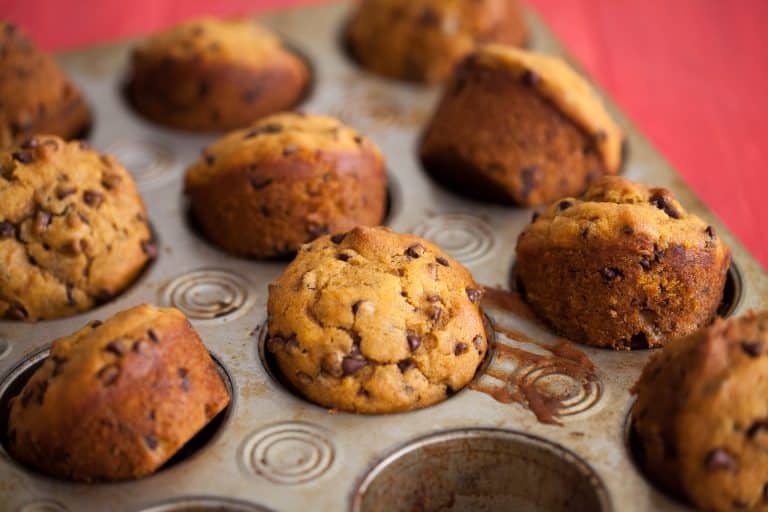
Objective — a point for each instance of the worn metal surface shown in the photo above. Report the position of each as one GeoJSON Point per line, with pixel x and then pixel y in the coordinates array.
{"type": "Point", "coordinates": [273, 449]}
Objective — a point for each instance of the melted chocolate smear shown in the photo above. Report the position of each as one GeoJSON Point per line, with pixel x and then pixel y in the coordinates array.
{"type": "Point", "coordinates": [563, 358]}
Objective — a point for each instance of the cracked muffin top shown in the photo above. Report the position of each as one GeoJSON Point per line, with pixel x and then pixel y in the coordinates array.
{"type": "Point", "coordinates": [73, 229]}
{"type": "Point", "coordinates": [37, 96]}
{"type": "Point", "coordinates": [555, 80]}
{"type": "Point", "coordinates": [700, 415]}
{"type": "Point", "coordinates": [614, 207]}
{"type": "Point", "coordinates": [374, 321]}
{"type": "Point", "coordinates": [275, 137]}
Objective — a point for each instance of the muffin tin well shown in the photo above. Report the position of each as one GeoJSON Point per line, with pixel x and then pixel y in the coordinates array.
{"type": "Point", "coordinates": [275, 452]}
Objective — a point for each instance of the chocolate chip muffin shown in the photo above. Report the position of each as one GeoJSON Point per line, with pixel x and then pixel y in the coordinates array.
{"type": "Point", "coordinates": [518, 127]}
{"type": "Point", "coordinates": [423, 40]}
{"type": "Point", "coordinates": [115, 401]}
{"type": "Point", "coordinates": [73, 229]}
{"type": "Point", "coordinates": [212, 75]}
{"type": "Point", "coordinates": [623, 267]}
{"type": "Point", "coordinates": [287, 179]}
{"type": "Point", "coordinates": [701, 419]}
{"type": "Point", "coordinates": [36, 95]}
{"type": "Point", "coordinates": [373, 321]}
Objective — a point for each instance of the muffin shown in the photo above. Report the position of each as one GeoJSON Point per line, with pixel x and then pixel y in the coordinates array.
{"type": "Point", "coordinates": [115, 401]}
{"type": "Point", "coordinates": [37, 96]}
{"type": "Point", "coordinates": [213, 75]}
{"type": "Point", "coordinates": [700, 416]}
{"type": "Point", "coordinates": [624, 267]}
{"type": "Point", "coordinates": [73, 229]}
{"type": "Point", "coordinates": [517, 127]}
{"type": "Point", "coordinates": [287, 179]}
{"type": "Point", "coordinates": [423, 40]}
{"type": "Point", "coordinates": [373, 321]}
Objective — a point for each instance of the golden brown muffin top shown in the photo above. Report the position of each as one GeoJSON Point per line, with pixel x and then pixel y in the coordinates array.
{"type": "Point", "coordinates": [613, 208]}
{"type": "Point", "coordinates": [567, 89]}
{"type": "Point", "coordinates": [381, 311]}
{"type": "Point", "coordinates": [238, 40]}
{"type": "Point", "coordinates": [73, 228]}
{"type": "Point", "coordinates": [31, 83]}
{"type": "Point", "coordinates": [273, 137]}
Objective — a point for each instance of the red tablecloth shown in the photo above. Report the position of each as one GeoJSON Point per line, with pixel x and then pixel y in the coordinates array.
{"type": "Point", "coordinates": [693, 74]}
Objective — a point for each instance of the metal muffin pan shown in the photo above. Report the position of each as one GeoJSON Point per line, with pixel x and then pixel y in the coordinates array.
{"type": "Point", "coordinates": [275, 451]}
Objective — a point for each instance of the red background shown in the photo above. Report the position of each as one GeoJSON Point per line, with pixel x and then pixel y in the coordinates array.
{"type": "Point", "coordinates": [693, 75]}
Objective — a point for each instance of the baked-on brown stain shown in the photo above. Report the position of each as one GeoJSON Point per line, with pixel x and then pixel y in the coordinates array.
{"type": "Point", "coordinates": [515, 386]}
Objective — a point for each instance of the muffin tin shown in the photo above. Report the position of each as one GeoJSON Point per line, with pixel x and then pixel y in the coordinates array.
{"type": "Point", "coordinates": [272, 450]}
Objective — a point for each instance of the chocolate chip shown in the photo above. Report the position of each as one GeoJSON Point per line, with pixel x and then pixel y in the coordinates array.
{"type": "Point", "coordinates": [7, 230]}
{"type": "Point", "coordinates": [203, 88]}
{"type": "Point", "coordinates": [316, 230]}
{"type": "Point", "coordinates": [109, 374]}
{"type": "Point", "coordinates": [358, 140]}
{"type": "Point", "coordinates": [460, 348]}
{"type": "Point", "coordinates": [436, 312]}
{"type": "Point", "coordinates": [269, 128]}
{"type": "Point", "coordinates": [16, 312]}
{"type": "Point", "coordinates": [150, 441]}
{"type": "Point", "coordinates": [92, 198]}
{"type": "Point", "coordinates": [628, 230]}
{"type": "Point", "coordinates": [752, 348]}
{"type": "Point", "coordinates": [184, 376]}
{"type": "Point", "coordinates": [95, 323]}
{"type": "Point", "coordinates": [610, 273]}
{"type": "Point", "coordinates": [34, 392]}
{"type": "Point", "coordinates": [57, 362]}
{"type": "Point", "coordinates": [25, 157]}
{"type": "Point", "coordinates": [442, 261]}
{"type": "Point", "coordinates": [413, 341]}
{"type": "Point", "coordinates": [63, 191]}
{"type": "Point", "coordinates": [662, 203]}
{"type": "Point", "coordinates": [406, 364]}
{"type": "Point", "coordinates": [149, 248]}
{"type": "Point", "coordinates": [259, 182]}
{"type": "Point", "coordinates": [29, 143]}
{"type": "Point", "coordinates": [343, 257]}
{"type": "Point", "coordinates": [711, 232]}
{"type": "Point", "coordinates": [720, 460]}
{"type": "Point", "coordinates": [645, 263]}
{"type": "Point", "coordinates": [153, 336]}
{"type": "Point", "coordinates": [116, 347]}
{"type": "Point", "coordinates": [429, 17]}
{"type": "Point", "coordinates": [350, 365]}
{"type": "Point", "coordinates": [338, 238]}
{"type": "Point", "coordinates": [477, 341]}
{"type": "Point", "coordinates": [415, 251]}
{"type": "Point", "coordinates": [111, 181]}
{"type": "Point", "coordinates": [756, 427]}
{"type": "Point", "coordinates": [474, 295]}
{"type": "Point", "coordinates": [564, 205]}
{"type": "Point", "coordinates": [529, 78]}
